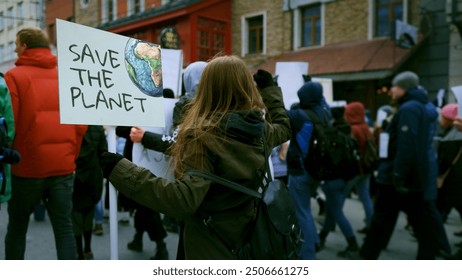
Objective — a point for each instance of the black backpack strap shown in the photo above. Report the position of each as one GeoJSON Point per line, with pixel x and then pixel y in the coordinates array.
{"type": "Point", "coordinates": [224, 182]}
{"type": "Point", "coordinates": [315, 118]}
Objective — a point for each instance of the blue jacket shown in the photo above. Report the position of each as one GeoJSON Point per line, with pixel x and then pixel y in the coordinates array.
{"type": "Point", "coordinates": [297, 119]}
{"type": "Point", "coordinates": [410, 148]}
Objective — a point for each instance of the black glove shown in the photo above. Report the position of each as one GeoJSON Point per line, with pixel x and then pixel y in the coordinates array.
{"type": "Point", "coordinates": [263, 79]}
{"type": "Point", "coordinates": [108, 161]}
{"type": "Point", "coordinates": [10, 156]}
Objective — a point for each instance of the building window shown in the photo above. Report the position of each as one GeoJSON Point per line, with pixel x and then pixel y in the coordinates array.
{"type": "Point", "coordinates": [109, 10]}
{"type": "Point", "coordinates": [135, 6]}
{"type": "Point", "coordinates": [210, 38]}
{"type": "Point", "coordinates": [10, 50]}
{"type": "Point", "coordinates": [2, 53]}
{"type": "Point", "coordinates": [255, 38]}
{"type": "Point", "coordinates": [20, 13]}
{"type": "Point", "coordinates": [386, 12]}
{"type": "Point", "coordinates": [254, 34]}
{"type": "Point", "coordinates": [310, 23]}
{"type": "Point", "coordinates": [9, 17]}
{"type": "Point", "coordinates": [2, 21]}
{"type": "Point", "coordinates": [84, 3]}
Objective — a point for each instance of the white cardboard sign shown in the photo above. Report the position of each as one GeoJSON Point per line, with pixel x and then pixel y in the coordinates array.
{"type": "Point", "coordinates": [458, 93]}
{"type": "Point", "coordinates": [156, 162]}
{"type": "Point", "coordinates": [290, 79]}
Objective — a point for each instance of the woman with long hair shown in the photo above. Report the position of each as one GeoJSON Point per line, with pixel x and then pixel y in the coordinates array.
{"type": "Point", "coordinates": [229, 128]}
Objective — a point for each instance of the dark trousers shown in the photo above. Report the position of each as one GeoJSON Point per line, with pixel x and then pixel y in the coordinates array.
{"type": "Point", "coordinates": [149, 220]}
{"type": "Point", "coordinates": [388, 204]}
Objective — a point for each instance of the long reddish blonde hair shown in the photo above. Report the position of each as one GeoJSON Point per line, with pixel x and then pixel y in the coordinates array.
{"type": "Point", "coordinates": [226, 85]}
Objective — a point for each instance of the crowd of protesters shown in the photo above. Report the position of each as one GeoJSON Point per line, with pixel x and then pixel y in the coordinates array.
{"type": "Point", "coordinates": [224, 125]}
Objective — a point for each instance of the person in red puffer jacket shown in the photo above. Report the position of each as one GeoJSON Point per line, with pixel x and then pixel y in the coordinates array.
{"type": "Point", "coordinates": [48, 149]}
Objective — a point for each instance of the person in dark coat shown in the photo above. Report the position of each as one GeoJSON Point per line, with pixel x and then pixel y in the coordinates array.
{"type": "Point", "coordinates": [88, 187]}
{"type": "Point", "coordinates": [312, 99]}
{"type": "Point", "coordinates": [450, 193]}
{"type": "Point", "coordinates": [404, 177]}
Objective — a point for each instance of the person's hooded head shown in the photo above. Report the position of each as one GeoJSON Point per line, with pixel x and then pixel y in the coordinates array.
{"type": "Point", "coordinates": [192, 75]}
{"type": "Point", "coordinates": [355, 113]}
{"type": "Point", "coordinates": [310, 94]}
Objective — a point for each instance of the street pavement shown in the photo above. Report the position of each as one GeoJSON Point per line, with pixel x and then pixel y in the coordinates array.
{"type": "Point", "coordinates": [40, 241]}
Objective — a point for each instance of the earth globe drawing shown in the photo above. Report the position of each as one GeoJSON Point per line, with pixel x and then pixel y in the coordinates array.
{"type": "Point", "coordinates": [144, 67]}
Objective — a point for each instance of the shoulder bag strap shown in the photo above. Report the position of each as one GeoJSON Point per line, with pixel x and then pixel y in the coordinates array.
{"type": "Point", "coordinates": [224, 182]}
{"type": "Point", "coordinates": [456, 159]}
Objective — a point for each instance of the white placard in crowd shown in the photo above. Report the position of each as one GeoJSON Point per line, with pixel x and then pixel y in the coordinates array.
{"type": "Point", "coordinates": [108, 79]}
{"type": "Point", "coordinates": [156, 162]}
{"type": "Point", "coordinates": [290, 79]}
{"type": "Point", "coordinates": [172, 65]}
{"type": "Point", "coordinates": [458, 93]}
{"type": "Point", "coordinates": [327, 89]}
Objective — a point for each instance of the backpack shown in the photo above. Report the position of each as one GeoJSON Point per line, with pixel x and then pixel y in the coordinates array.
{"type": "Point", "coordinates": [370, 159]}
{"type": "Point", "coordinates": [274, 234]}
{"type": "Point", "coordinates": [331, 154]}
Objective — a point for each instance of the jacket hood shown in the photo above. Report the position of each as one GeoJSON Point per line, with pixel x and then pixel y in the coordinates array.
{"type": "Point", "coordinates": [432, 113]}
{"type": "Point", "coordinates": [310, 94]}
{"type": "Point", "coordinates": [245, 127]}
{"type": "Point", "coordinates": [355, 113]}
{"type": "Point", "coordinates": [417, 93]}
{"type": "Point", "coordinates": [39, 57]}
{"type": "Point", "coordinates": [192, 76]}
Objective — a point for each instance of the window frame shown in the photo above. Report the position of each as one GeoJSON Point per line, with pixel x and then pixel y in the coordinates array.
{"type": "Point", "coordinates": [105, 12]}
{"type": "Point", "coordinates": [212, 32]}
{"type": "Point", "coordinates": [20, 12]}
{"type": "Point", "coordinates": [10, 50]}
{"type": "Point", "coordinates": [373, 21]}
{"type": "Point", "coordinates": [131, 7]}
{"type": "Point", "coordinates": [299, 31]}
{"type": "Point", "coordinates": [2, 53]}
{"type": "Point", "coordinates": [10, 17]}
{"type": "Point", "coordinates": [2, 21]}
{"type": "Point", "coordinates": [298, 36]}
{"type": "Point", "coordinates": [245, 32]}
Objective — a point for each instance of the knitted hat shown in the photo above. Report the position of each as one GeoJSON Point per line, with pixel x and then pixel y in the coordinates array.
{"type": "Point", "coordinates": [449, 111]}
{"type": "Point", "coordinates": [406, 80]}
{"type": "Point", "coordinates": [310, 94]}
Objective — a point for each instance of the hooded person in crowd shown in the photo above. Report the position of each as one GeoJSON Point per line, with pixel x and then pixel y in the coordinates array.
{"type": "Point", "coordinates": [299, 181]}
{"type": "Point", "coordinates": [355, 115]}
{"type": "Point", "coordinates": [312, 99]}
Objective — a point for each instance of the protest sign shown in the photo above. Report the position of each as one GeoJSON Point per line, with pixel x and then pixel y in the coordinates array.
{"type": "Point", "coordinates": [458, 93]}
{"type": "Point", "coordinates": [108, 79]}
{"type": "Point", "coordinates": [327, 89]}
{"type": "Point", "coordinates": [156, 162]}
{"type": "Point", "coordinates": [290, 79]}
{"type": "Point", "coordinates": [172, 66]}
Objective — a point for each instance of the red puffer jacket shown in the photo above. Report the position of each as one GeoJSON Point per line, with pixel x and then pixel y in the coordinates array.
{"type": "Point", "coordinates": [47, 147]}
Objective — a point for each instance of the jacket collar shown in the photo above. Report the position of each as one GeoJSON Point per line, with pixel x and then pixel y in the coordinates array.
{"type": "Point", "coordinates": [39, 57]}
